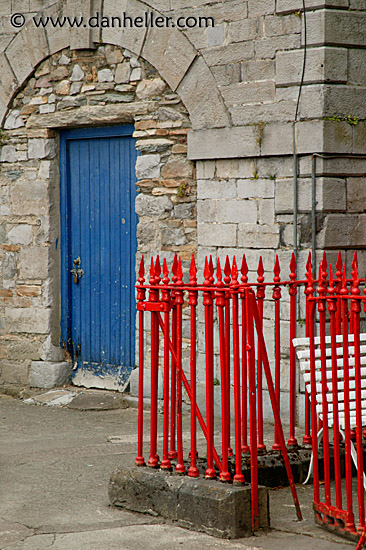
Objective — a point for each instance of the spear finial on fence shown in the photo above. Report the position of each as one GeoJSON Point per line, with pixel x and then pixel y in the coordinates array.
{"type": "Point", "coordinates": [152, 271]}
{"type": "Point", "coordinates": [244, 270]}
{"type": "Point", "coordinates": [355, 279]}
{"type": "Point", "coordinates": [174, 268]}
{"type": "Point", "coordinates": [293, 266]}
{"type": "Point", "coordinates": [219, 274]}
{"type": "Point", "coordinates": [206, 273]}
{"type": "Point", "coordinates": [338, 273]}
{"type": "Point", "coordinates": [344, 289]}
{"type": "Point", "coordinates": [193, 272]}
{"type": "Point", "coordinates": [179, 273]}
{"type": "Point", "coordinates": [277, 271]}
{"type": "Point", "coordinates": [141, 278]}
{"type": "Point", "coordinates": [260, 271]}
{"type": "Point", "coordinates": [355, 260]}
{"type": "Point", "coordinates": [234, 273]}
{"type": "Point", "coordinates": [324, 266]}
{"type": "Point", "coordinates": [309, 290]}
{"type": "Point", "coordinates": [165, 273]}
{"type": "Point", "coordinates": [157, 270]}
{"type": "Point", "coordinates": [227, 271]}
{"type": "Point", "coordinates": [308, 265]}
{"type": "Point", "coordinates": [331, 288]}
{"type": "Point", "coordinates": [211, 268]}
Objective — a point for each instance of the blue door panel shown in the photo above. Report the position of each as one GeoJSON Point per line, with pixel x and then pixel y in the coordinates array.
{"type": "Point", "coordinates": [99, 227]}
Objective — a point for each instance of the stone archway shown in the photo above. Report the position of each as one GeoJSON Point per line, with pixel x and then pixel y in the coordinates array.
{"type": "Point", "coordinates": [167, 49]}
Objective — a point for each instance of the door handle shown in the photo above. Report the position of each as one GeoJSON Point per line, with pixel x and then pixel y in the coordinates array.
{"type": "Point", "coordinates": [77, 271]}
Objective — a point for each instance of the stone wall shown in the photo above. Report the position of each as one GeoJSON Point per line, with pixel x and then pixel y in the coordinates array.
{"type": "Point", "coordinates": [65, 86]}
{"type": "Point", "coordinates": [235, 87]}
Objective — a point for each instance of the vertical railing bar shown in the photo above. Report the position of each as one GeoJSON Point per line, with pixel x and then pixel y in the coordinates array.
{"type": "Point", "coordinates": [193, 295]}
{"type": "Point", "coordinates": [292, 441]}
{"type": "Point", "coordinates": [350, 523]}
{"type": "Point", "coordinates": [277, 298]}
{"type": "Point", "coordinates": [252, 409]}
{"type": "Point", "coordinates": [180, 467]}
{"type": "Point", "coordinates": [141, 294]}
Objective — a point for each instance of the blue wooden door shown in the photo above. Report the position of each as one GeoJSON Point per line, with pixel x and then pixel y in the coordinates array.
{"type": "Point", "coordinates": [98, 246]}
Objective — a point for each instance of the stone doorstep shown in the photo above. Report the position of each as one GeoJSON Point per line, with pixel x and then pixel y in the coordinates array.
{"type": "Point", "coordinates": [220, 510]}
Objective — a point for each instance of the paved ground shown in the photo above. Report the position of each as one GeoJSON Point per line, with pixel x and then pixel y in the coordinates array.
{"type": "Point", "coordinates": [55, 464]}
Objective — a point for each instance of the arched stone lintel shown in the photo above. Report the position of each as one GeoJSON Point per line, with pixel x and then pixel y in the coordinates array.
{"type": "Point", "coordinates": [167, 49]}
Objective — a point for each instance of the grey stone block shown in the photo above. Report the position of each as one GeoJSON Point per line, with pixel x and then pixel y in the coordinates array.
{"type": "Point", "coordinates": [260, 188]}
{"type": "Point", "coordinates": [240, 31]}
{"type": "Point", "coordinates": [342, 231]}
{"type": "Point", "coordinates": [58, 37]}
{"type": "Point", "coordinates": [261, 7]}
{"type": "Point", "coordinates": [249, 92]}
{"type": "Point", "coordinates": [276, 139]}
{"type": "Point", "coordinates": [29, 320]}
{"type": "Point", "coordinates": [237, 211]}
{"type": "Point", "coordinates": [281, 26]}
{"type": "Point", "coordinates": [127, 37]}
{"type": "Point", "coordinates": [322, 65]}
{"type": "Point", "coordinates": [8, 81]}
{"type": "Point", "coordinates": [287, 6]}
{"type": "Point", "coordinates": [266, 48]}
{"type": "Point", "coordinates": [258, 69]}
{"type": "Point", "coordinates": [216, 189]}
{"type": "Point", "coordinates": [170, 52]}
{"type": "Point", "coordinates": [220, 510]}
{"type": "Point", "coordinates": [47, 374]}
{"type": "Point", "coordinates": [146, 205]}
{"type": "Point", "coordinates": [197, 89]}
{"type": "Point", "coordinates": [216, 234]}
{"type": "Point", "coordinates": [258, 236]}
{"type": "Point", "coordinates": [233, 53]}
{"type": "Point", "coordinates": [223, 143]}
{"type": "Point", "coordinates": [148, 166]}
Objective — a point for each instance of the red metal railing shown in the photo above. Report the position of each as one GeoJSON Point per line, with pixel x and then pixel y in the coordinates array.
{"type": "Point", "coordinates": [242, 360]}
{"type": "Point", "coordinates": [337, 385]}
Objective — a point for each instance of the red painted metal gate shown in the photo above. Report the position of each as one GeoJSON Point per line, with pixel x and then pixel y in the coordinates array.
{"type": "Point", "coordinates": [336, 381]}
{"type": "Point", "coordinates": [242, 358]}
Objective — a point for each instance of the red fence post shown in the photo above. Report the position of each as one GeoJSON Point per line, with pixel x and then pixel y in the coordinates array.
{"type": "Point", "coordinates": [193, 470]}
{"type": "Point", "coordinates": [165, 297]}
{"type": "Point", "coordinates": [322, 320]}
{"type": "Point", "coordinates": [238, 477]}
{"type": "Point", "coordinates": [227, 280]}
{"type": "Point", "coordinates": [244, 357]}
{"type": "Point", "coordinates": [260, 298]}
{"type": "Point", "coordinates": [208, 304]}
{"type": "Point", "coordinates": [277, 297]}
{"type": "Point", "coordinates": [311, 322]}
{"type": "Point", "coordinates": [154, 297]}
{"type": "Point", "coordinates": [355, 316]}
{"type": "Point", "coordinates": [141, 293]}
{"type": "Point", "coordinates": [173, 382]}
{"type": "Point", "coordinates": [332, 307]}
{"type": "Point", "coordinates": [180, 467]}
{"type": "Point", "coordinates": [225, 405]}
{"type": "Point", "coordinates": [252, 408]}
{"type": "Point", "coordinates": [292, 441]}
{"type": "Point", "coordinates": [350, 523]}
{"type": "Point", "coordinates": [306, 440]}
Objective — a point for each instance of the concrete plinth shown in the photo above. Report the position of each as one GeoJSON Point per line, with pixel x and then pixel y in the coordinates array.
{"type": "Point", "coordinates": [218, 509]}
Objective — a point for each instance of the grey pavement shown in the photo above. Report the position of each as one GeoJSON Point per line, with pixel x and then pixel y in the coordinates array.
{"type": "Point", "coordinates": [55, 464]}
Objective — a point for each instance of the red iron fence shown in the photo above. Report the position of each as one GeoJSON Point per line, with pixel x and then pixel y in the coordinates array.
{"type": "Point", "coordinates": [336, 381]}
{"type": "Point", "coordinates": [238, 309]}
